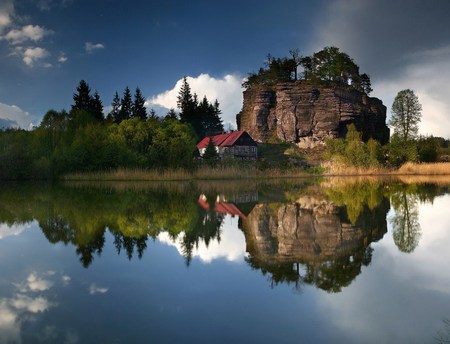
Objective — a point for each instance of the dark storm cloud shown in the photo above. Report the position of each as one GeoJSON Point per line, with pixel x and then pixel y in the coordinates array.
{"type": "Point", "coordinates": [384, 35]}
{"type": "Point", "coordinates": [400, 44]}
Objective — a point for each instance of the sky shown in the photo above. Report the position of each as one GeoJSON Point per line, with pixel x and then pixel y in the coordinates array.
{"type": "Point", "coordinates": [48, 46]}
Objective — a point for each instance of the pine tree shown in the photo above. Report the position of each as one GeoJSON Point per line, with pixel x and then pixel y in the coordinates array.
{"type": "Point", "coordinates": [171, 114]}
{"type": "Point", "coordinates": [82, 99]}
{"type": "Point", "coordinates": [126, 105]}
{"type": "Point", "coordinates": [138, 109]}
{"type": "Point", "coordinates": [185, 101]}
{"type": "Point", "coordinates": [97, 107]}
{"type": "Point", "coordinates": [210, 151]}
{"type": "Point", "coordinates": [113, 116]}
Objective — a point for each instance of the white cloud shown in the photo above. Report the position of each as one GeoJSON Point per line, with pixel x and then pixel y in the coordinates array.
{"type": "Point", "coordinates": [15, 116]}
{"type": "Point", "coordinates": [62, 58]}
{"type": "Point", "coordinates": [33, 33]}
{"type": "Point", "coordinates": [6, 14]}
{"type": "Point", "coordinates": [226, 90]}
{"type": "Point", "coordinates": [31, 55]}
{"type": "Point", "coordinates": [90, 47]}
{"type": "Point", "coordinates": [94, 289]}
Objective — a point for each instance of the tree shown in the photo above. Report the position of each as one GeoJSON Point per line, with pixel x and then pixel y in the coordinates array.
{"type": "Point", "coordinates": [171, 114]}
{"type": "Point", "coordinates": [185, 102]}
{"type": "Point", "coordinates": [113, 116]}
{"type": "Point", "coordinates": [126, 105]}
{"type": "Point", "coordinates": [82, 98]}
{"type": "Point", "coordinates": [210, 151]}
{"type": "Point", "coordinates": [296, 60]}
{"type": "Point", "coordinates": [406, 115]}
{"type": "Point", "coordinates": [97, 107]}
{"type": "Point", "coordinates": [405, 222]}
{"type": "Point", "coordinates": [138, 108]}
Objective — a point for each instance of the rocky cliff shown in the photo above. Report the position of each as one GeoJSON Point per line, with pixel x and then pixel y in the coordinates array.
{"type": "Point", "coordinates": [304, 112]}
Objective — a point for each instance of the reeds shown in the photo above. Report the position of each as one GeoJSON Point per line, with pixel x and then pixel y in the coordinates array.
{"type": "Point", "coordinates": [336, 169]}
{"type": "Point", "coordinates": [203, 173]}
{"type": "Point", "coordinates": [437, 168]}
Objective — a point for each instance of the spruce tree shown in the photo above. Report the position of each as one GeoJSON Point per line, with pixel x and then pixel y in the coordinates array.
{"type": "Point", "coordinates": [126, 105]}
{"type": "Point", "coordinates": [210, 151]}
{"type": "Point", "coordinates": [82, 98]}
{"type": "Point", "coordinates": [97, 107]}
{"type": "Point", "coordinates": [113, 116]}
{"type": "Point", "coordinates": [138, 109]}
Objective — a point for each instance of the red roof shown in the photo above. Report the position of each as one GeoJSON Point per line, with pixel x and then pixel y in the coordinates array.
{"type": "Point", "coordinates": [222, 140]}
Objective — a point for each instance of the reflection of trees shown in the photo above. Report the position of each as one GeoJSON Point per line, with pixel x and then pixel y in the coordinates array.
{"type": "Point", "coordinates": [83, 216]}
{"type": "Point", "coordinates": [405, 222]}
{"type": "Point", "coordinates": [322, 238]}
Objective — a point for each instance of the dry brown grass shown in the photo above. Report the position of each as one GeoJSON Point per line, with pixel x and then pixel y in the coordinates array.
{"type": "Point", "coordinates": [336, 169]}
{"type": "Point", "coordinates": [204, 173]}
{"type": "Point", "coordinates": [437, 168]}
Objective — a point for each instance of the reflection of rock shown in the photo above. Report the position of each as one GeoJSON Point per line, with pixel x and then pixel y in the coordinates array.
{"type": "Point", "coordinates": [314, 232]}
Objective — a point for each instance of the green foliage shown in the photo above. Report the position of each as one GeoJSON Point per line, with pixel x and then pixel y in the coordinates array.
{"type": "Point", "coordinates": [210, 152]}
{"type": "Point", "coordinates": [427, 149]}
{"type": "Point", "coordinates": [401, 151]}
{"type": "Point", "coordinates": [352, 151]}
{"type": "Point", "coordinates": [406, 115]}
{"type": "Point", "coordinates": [138, 107]}
{"type": "Point", "coordinates": [327, 65]}
{"type": "Point", "coordinates": [83, 101]}
{"type": "Point", "coordinates": [204, 117]}
{"type": "Point", "coordinates": [77, 142]}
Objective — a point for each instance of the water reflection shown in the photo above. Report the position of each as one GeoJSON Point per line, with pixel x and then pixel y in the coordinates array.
{"type": "Point", "coordinates": [294, 233]}
{"type": "Point", "coordinates": [321, 238]}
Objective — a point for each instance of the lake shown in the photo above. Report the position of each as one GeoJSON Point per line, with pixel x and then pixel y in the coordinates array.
{"type": "Point", "coordinates": [312, 261]}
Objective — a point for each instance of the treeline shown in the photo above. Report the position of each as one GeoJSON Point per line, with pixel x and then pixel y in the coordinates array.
{"type": "Point", "coordinates": [84, 139]}
{"type": "Point", "coordinates": [326, 65]}
{"type": "Point", "coordinates": [352, 151]}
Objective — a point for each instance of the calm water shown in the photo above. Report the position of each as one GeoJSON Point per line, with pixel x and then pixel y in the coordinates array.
{"type": "Point", "coordinates": [335, 262]}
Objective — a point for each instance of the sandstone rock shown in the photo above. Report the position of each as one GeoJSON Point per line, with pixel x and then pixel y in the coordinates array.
{"type": "Point", "coordinates": [306, 113]}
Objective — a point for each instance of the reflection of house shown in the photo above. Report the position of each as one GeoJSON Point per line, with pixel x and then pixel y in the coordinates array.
{"type": "Point", "coordinates": [221, 206]}
{"type": "Point", "coordinates": [235, 144]}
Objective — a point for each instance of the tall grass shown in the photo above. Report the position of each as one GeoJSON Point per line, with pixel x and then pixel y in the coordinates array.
{"type": "Point", "coordinates": [437, 168]}
{"type": "Point", "coordinates": [203, 173]}
{"type": "Point", "coordinates": [337, 169]}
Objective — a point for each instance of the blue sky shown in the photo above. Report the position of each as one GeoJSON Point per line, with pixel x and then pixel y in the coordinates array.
{"type": "Point", "coordinates": [48, 46]}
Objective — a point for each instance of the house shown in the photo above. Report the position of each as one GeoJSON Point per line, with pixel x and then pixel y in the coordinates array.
{"type": "Point", "coordinates": [235, 144]}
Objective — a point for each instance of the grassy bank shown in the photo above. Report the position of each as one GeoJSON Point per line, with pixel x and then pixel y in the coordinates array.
{"type": "Point", "coordinates": [410, 168]}
{"type": "Point", "coordinates": [204, 173]}
{"type": "Point", "coordinates": [251, 172]}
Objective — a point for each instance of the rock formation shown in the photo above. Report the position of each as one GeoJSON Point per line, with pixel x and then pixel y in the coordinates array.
{"type": "Point", "coordinates": [304, 112]}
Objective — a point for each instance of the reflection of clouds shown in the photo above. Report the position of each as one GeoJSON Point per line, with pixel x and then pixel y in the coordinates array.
{"type": "Point", "coordinates": [66, 280]}
{"type": "Point", "coordinates": [30, 304]}
{"type": "Point", "coordinates": [6, 230]}
{"type": "Point", "coordinates": [24, 301]}
{"type": "Point", "coordinates": [231, 245]}
{"type": "Point", "coordinates": [379, 305]}
{"type": "Point", "coordinates": [38, 284]}
{"type": "Point", "coordinates": [34, 283]}
{"type": "Point", "coordinates": [94, 289]}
